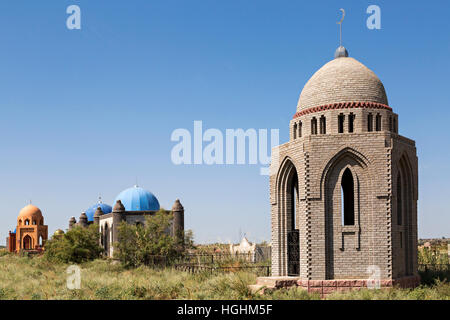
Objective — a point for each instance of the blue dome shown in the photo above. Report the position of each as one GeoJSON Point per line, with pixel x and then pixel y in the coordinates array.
{"type": "Point", "coordinates": [91, 211]}
{"type": "Point", "coordinates": [138, 199]}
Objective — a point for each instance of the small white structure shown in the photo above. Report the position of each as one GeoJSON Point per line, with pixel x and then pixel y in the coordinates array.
{"type": "Point", "coordinates": [250, 251]}
{"type": "Point", "coordinates": [244, 247]}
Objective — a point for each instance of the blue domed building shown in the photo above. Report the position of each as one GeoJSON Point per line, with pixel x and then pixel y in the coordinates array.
{"type": "Point", "coordinates": [87, 216]}
{"type": "Point", "coordinates": [138, 199]}
{"type": "Point", "coordinates": [90, 212]}
{"type": "Point", "coordinates": [132, 205]}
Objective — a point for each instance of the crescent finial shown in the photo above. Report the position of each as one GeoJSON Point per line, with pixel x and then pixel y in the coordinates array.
{"type": "Point", "coordinates": [343, 16]}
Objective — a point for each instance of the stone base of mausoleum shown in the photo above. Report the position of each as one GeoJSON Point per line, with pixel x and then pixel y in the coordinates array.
{"type": "Point", "coordinates": [326, 287]}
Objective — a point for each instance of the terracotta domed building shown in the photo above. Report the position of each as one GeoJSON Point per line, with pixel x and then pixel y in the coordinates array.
{"type": "Point", "coordinates": [30, 233]}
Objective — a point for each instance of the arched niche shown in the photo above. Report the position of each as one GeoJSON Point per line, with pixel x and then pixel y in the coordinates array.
{"type": "Point", "coordinates": [288, 231]}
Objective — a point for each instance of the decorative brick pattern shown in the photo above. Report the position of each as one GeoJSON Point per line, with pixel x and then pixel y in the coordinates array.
{"type": "Point", "coordinates": [342, 105]}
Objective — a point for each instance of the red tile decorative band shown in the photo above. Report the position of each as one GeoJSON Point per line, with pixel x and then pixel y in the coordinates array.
{"type": "Point", "coordinates": [343, 105]}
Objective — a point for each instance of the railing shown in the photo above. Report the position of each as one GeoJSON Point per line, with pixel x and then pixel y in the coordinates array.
{"type": "Point", "coordinates": [193, 268]}
{"type": "Point", "coordinates": [434, 267]}
{"type": "Point", "coordinates": [221, 257]}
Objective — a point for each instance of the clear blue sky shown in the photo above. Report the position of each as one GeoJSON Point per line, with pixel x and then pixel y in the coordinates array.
{"type": "Point", "coordinates": [85, 112]}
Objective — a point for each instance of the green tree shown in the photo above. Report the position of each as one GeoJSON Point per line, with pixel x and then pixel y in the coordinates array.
{"type": "Point", "coordinates": [76, 246]}
{"type": "Point", "coordinates": [149, 243]}
{"type": "Point", "coordinates": [188, 240]}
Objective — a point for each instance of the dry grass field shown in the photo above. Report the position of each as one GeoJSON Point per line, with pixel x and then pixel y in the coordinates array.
{"type": "Point", "coordinates": [37, 279]}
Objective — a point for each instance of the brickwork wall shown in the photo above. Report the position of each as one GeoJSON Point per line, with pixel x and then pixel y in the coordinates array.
{"type": "Point", "coordinates": [329, 250]}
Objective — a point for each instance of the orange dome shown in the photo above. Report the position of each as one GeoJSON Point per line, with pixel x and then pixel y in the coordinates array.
{"type": "Point", "coordinates": [31, 213]}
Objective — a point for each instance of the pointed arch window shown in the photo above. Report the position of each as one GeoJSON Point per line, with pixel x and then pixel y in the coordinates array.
{"type": "Point", "coordinates": [347, 198]}
{"type": "Point", "coordinates": [295, 131]}
{"type": "Point", "coordinates": [399, 200]}
{"type": "Point", "coordinates": [106, 239]}
{"type": "Point", "coordinates": [300, 129]}
{"type": "Point", "coordinates": [294, 201]}
{"type": "Point", "coordinates": [27, 243]}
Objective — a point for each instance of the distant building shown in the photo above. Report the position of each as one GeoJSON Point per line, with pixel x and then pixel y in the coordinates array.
{"type": "Point", "coordinates": [244, 247]}
{"type": "Point", "coordinates": [250, 251]}
{"type": "Point", "coordinates": [30, 233]}
{"type": "Point", "coordinates": [58, 234]}
{"type": "Point", "coordinates": [132, 205]}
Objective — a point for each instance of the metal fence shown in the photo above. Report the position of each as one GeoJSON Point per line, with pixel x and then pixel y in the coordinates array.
{"type": "Point", "coordinates": [193, 268]}
{"type": "Point", "coordinates": [434, 267]}
{"type": "Point", "coordinates": [207, 260]}
{"type": "Point", "coordinates": [200, 259]}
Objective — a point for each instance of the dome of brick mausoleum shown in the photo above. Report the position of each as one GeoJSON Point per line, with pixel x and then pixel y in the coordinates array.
{"type": "Point", "coordinates": [342, 80]}
{"type": "Point", "coordinates": [138, 199]}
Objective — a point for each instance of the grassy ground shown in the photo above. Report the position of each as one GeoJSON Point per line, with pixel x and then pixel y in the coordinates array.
{"type": "Point", "coordinates": [35, 278]}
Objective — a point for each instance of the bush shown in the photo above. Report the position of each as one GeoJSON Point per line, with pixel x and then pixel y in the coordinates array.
{"type": "Point", "coordinates": [3, 252]}
{"type": "Point", "coordinates": [148, 244]}
{"type": "Point", "coordinates": [430, 275]}
{"type": "Point", "coordinates": [76, 246]}
{"type": "Point", "coordinates": [432, 256]}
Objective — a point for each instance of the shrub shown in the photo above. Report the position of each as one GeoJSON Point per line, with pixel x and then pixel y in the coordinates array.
{"type": "Point", "coordinates": [432, 256]}
{"type": "Point", "coordinates": [3, 252]}
{"type": "Point", "coordinates": [76, 246]}
{"type": "Point", "coordinates": [148, 244]}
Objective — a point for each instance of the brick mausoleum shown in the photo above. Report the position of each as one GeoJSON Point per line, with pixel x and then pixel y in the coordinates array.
{"type": "Point", "coordinates": [343, 190]}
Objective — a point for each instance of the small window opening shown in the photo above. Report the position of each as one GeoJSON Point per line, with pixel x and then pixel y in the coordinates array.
{"type": "Point", "coordinates": [378, 122]}
{"type": "Point", "coordinates": [351, 121]}
{"type": "Point", "coordinates": [314, 126]}
{"type": "Point", "coordinates": [323, 125]}
{"type": "Point", "coordinates": [341, 119]}
{"type": "Point", "coordinates": [370, 122]}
